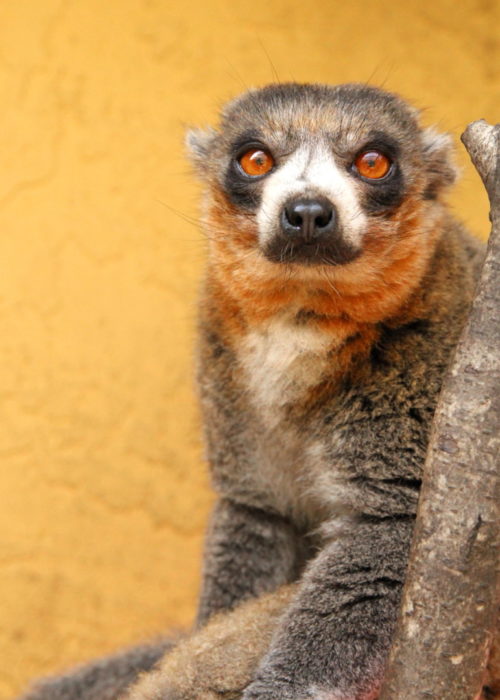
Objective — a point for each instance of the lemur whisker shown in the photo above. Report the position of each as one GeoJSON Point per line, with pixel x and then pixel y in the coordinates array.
{"type": "Point", "coordinates": [271, 64]}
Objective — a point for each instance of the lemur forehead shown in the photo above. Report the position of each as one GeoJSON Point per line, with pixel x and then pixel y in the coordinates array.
{"type": "Point", "coordinates": [346, 113]}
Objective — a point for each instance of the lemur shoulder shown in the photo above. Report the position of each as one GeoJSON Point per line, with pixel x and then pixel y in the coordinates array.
{"type": "Point", "coordinates": [336, 286]}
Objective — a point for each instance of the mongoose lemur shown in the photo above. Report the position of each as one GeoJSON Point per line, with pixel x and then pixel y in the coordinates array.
{"type": "Point", "coordinates": [336, 286]}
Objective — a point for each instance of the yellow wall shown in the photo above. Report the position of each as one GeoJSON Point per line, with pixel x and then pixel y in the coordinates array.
{"type": "Point", "coordinates": [103, 497]}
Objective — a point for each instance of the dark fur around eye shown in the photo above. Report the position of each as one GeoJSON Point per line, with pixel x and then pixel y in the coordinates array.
{"type": "Point", "coordinates": [242, 193]}
{"type": "Point", "coordinates": [386, 194]}
{"type": "Point", "coordinates": [243, 190]}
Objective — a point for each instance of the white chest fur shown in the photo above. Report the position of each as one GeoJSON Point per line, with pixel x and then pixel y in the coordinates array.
{"type": "Point", "coordinates": [281, 361]}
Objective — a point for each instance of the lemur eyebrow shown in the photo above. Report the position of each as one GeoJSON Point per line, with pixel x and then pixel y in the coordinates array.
{"type": "Point", "coordinates": [249, 136]}
{"type": "Point", "coordinates": [372, 139]}
{"type": "Point", "coordinates": [383, 140]}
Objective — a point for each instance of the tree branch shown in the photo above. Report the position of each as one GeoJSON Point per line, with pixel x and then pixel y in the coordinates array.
{"type": "Point", "coordinates": [449, 609]}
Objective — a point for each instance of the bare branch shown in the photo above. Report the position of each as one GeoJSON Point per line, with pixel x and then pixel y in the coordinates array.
{"type": "Point", "coordinates": [450, 600]}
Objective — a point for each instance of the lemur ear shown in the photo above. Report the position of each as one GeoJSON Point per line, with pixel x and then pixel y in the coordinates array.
{"type": "Point", "coordinates": [198, 143]}
{"type": "Point", "coordinates": [438, 154]}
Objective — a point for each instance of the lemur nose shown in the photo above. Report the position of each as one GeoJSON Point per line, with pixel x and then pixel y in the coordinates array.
{"type": "Point", "coordinates": [309, 219]}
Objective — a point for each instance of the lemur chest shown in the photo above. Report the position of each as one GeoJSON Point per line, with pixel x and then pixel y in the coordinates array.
{"type": "Point", "coordinates": [280, 365]}
{"type": "Point", "coordinates": [281, 362]}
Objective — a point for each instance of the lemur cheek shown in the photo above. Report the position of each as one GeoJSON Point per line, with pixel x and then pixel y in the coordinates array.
{"type": "Point", "coordinates": [227, 228]}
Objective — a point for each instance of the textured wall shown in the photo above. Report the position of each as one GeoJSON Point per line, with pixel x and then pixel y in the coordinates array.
{"type": "Point", "coordinates": [103, 495]}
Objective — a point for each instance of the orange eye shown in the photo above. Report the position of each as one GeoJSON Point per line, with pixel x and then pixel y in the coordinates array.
{"type": "Point", "coordinates": [372, 164]}
{"type": "Point", "coordinates": [256, 162]}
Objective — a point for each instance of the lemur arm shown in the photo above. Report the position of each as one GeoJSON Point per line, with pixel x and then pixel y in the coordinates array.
{"type": "Point", "coordinates": [248, 552]}
{"type": "Point", "coordinates": [335, 636]}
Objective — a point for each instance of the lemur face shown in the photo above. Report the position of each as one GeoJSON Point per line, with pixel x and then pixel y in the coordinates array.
{"type": "Point", "coordinates": [314, 174]}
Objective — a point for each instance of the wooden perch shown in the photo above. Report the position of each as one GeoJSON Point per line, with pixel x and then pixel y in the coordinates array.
{"type": "Point", "coordinates": [450, 602]}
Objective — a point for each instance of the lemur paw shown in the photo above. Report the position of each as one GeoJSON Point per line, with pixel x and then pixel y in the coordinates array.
{"type": "Point", "coordinates": [279, 691]}
{"type": "Point", "coordinates": [259, 690]}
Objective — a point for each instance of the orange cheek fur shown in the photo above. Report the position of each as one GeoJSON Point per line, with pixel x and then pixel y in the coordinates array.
{"type": "Point", "coordinates": [344, 300]}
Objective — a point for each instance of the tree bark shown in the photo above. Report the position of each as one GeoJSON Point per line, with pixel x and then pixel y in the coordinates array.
{"type": "Point", "coordinates": [450, 602]}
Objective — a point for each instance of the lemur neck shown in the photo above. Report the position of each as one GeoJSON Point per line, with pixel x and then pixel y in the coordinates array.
{"type": "Point", "coordinates": [320, 299]}
{"type": "Point", "coordinates": [383, 285]}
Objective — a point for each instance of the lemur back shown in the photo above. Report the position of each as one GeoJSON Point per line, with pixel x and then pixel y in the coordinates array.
{"type": "Point", "coordinates": [336, 287]}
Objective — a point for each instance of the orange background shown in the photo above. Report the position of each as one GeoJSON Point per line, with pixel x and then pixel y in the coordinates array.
{"type": "Point", "coordinates": [103, 495]}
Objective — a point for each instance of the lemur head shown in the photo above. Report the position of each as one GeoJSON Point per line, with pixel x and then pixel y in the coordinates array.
{"type": "Point", "coordinates": [313, 180]}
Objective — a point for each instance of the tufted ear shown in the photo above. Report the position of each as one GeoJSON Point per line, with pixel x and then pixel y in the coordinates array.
{"type": "Point", "coordinates": [198, 143]}
{"type": "Point", "coordinates": [438, 155]}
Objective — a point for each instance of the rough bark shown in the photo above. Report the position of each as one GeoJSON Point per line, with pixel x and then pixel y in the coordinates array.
{"type": "Point", "coordinates": [450, 602]}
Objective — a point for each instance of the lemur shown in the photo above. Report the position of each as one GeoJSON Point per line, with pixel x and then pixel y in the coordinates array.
{"type": "Point", "coordinates": [336, 286]}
